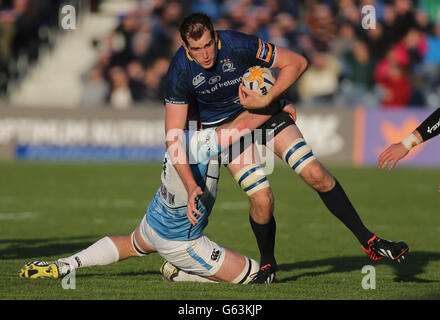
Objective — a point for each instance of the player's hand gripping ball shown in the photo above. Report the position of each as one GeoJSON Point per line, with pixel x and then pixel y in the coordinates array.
{"type": "Point", "coordinates": [259, 80]}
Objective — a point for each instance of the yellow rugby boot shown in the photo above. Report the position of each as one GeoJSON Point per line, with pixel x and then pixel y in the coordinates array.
{"type": "Point", "coordinates": [44, 269]}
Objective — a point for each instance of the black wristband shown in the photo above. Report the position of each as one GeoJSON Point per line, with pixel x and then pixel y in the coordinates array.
{"type": "Point", "coordinates": [431, 126]}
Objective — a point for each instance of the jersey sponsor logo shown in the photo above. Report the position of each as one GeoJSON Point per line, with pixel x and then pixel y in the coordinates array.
{"type": "Point", "coordinates": [220, 85]}
{"type": "Point", "coordinates": [198, 80]}
{"type": "Point", "coordinates": [214, 79]}
{"type": "Point", "coordinates": [264, 50]}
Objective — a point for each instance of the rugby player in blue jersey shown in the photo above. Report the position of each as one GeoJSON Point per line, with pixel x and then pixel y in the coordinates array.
{"type": "Point", "coordinates": [189, 254]}
{"type": "Point", "coordinates": [209, 66]}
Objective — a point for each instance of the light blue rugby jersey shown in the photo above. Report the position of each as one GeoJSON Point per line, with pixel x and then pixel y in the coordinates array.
{"type": "Point", "coordinates": [166, 213]}
{"type": "Point", "coordinates": [216, 89]}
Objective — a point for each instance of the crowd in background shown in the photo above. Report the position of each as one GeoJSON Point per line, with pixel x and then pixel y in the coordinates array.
{"type": "Point", "coordinates": [27, 28]}
{"type": "Point", "coordinates": [393, 64]}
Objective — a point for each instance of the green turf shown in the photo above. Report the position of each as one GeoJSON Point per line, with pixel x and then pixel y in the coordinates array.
{"type": "Point", "coordinates": [54, 210]}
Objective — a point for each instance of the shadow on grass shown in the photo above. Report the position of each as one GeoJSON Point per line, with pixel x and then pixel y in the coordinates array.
{"type": "Point", "coordinates": [407, 271]}
{"type": "Point", "coordinates": [106, 275]}
{"type": "Point", "coordinates": [36, 248]}
{"type": "Point", "coordinates": [29, 249]}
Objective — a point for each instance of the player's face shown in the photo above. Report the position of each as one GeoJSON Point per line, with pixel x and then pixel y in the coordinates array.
{"type": "Point", "coordinates": [203, 49]}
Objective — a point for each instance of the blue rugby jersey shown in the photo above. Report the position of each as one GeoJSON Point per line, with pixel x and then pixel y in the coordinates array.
{"type": "Point", "coordinates": [216, 89]}
{"type": "Point", "coordinates": [166, 213]}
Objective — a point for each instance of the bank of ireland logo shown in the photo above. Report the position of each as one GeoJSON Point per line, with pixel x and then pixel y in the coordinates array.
{"type": "Point", "coordinates": [228, 66]}
{"type": "Point", "coordinates": [198, 80]}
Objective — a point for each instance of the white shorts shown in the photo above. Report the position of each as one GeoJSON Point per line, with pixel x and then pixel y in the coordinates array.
{"type": "Point", "coordinates": [200, 256]}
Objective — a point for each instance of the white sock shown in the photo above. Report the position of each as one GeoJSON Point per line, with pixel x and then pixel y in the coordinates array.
{"type": "Point", "coordinates": [101, 253]}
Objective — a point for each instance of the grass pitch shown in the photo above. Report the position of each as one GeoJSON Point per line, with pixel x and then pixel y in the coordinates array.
{"type": "Point", "coordinates": [53, 210]}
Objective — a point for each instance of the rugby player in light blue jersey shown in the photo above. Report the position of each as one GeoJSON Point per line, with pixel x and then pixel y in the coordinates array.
{"type": "Point", "coordinates": [189, 254]}
{"type": "Point", "coordinates": [209, 66]}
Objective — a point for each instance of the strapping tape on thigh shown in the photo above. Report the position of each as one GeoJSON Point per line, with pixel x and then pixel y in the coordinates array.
{"type": "Point", "coordinates": [251, 179]}
{"type": "Point", "coordinates": [298, 155]}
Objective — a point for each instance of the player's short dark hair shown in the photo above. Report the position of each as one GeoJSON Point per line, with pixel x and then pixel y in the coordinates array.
{"type": "Point", "coordinates": [194, 25]}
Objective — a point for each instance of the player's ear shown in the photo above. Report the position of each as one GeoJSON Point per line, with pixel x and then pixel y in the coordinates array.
{"type": "Point", "coordinates": [188, 54]}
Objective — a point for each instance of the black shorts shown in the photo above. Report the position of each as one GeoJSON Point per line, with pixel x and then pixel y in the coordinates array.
{"type": "Point", "coordinates": [263, 134]}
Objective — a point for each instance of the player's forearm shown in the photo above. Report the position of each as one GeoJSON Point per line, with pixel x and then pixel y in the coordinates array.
{"type": "Point", "coordinates": [177, 154]}
{"type": "Point", "coordinates": [186, 176]}
{"type": "Point", "coordinates": [231, 132]}
{"type": "Point", "coordinates": [175, 118]}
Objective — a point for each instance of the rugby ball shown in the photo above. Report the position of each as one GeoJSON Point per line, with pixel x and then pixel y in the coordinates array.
{"type": "Point", "coordinates": [259, 80]}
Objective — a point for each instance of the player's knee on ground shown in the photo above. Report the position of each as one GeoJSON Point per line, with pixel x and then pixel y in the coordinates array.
{"type": "Point", "coordinates": [248, 271]}
{"type": "Point", "coordinates": [318, 177]}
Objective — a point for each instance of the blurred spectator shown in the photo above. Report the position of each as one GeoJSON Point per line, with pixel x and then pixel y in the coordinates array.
{"type": "Point", "coordinates": [7, 20]}
{"type": "Point", "coordinates": [431, 8]}
{"type": "Point", "coordinates": [344, 41]}
{"type": "Point", "coordinates": [120, 96]}
{"type": "Point", "coordinates": [154, 79]}
{"type": "Point", "coordinates": [141, 49]}
{"type": "Point", "coordinates": [358, 75]}
{"type": "Point", "coordinates": [431, 60]}
{"type": "Point", "coordinates": [210, 7]}
{"type": "Point", "coordinates": [96, 89]}
{"type": "Point", "coordinates": [319, 84]}
{"type": "Point", "coordinates": [25, 26]}
{"type": "Point", "coordinates": [395, 84]}
{"type": "Point", "coordinates": [277, 36]}
{"type": "Point", "coordinates": [322, 25]}
{"type": "Point", "coordinates": [136, 74]}
{"type": "Point", "coordinates": [349, 12]}
{"type": "Point", "coordinates": [423, 23]}
{"type": "Point", "coordinates": [377, 40]}
{"type": "Point", "coordinates": [289, 27]}
{"type": "Point", "coordinates": [166, 22]}
{"type": "Point", "coordinates": [414, 46]}
{"type": "Point", "coordinates": [347, 62]}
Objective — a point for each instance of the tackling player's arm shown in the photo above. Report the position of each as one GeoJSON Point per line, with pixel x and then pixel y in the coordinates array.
{"type": "Point", "coordinates": [425, 131]}
{"type": "Point", "coordinates": [175, 119]}
{"type": "Point", "coordinates": [230, 132]}
{"type": "Point", "coordinates": [291, 65]}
